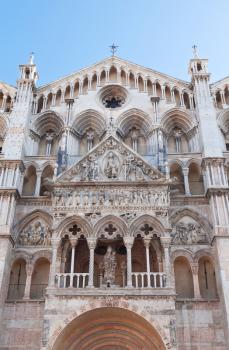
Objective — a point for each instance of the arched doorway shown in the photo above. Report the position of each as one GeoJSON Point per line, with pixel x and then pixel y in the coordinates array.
{"type": "Point", "coordinates": [109, 328]}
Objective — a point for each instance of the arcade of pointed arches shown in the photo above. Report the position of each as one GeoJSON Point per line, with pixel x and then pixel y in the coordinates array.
{"type": "Point", "coordinates": [140, 260]}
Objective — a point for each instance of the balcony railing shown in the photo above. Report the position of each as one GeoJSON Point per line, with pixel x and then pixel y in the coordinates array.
{"type": "Point", "coordinates": [153, 280]}
{"type": "Point", "coordinates": [139, 280]}
{"type": "Point", "coordinates": [72, 280]}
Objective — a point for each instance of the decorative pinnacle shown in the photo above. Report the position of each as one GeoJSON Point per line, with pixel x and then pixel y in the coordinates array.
{"type": "Point", "coordinates": [31, 58]}
{"type": "Point", "coordinates": [195, 52]}
{"type": "Point", "coordinates": [113, 48]}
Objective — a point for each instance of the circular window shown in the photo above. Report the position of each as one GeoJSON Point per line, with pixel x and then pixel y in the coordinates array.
{"type": "Point", "coordinates": [113, 96]}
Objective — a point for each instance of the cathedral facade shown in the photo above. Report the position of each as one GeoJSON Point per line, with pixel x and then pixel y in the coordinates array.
{"type": "Point", "coordinates": [114, 210]}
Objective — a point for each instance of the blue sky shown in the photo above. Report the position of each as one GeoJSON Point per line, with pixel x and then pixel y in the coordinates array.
{"type": "Point", "coordinates": [70, 34]}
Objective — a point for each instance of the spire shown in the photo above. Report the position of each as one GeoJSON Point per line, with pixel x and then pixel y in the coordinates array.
{"type": "Point", "coordinates": [31, 58]}
{"type": "Point", "coordinates": [195, 52]}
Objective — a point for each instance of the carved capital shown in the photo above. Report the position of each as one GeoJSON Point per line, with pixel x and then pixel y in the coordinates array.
{"type": "Point", "coordinates": [195, 268]}
{"type": "Point", "coordinates": [73, 242]}
{"type": "Point", "coordinates": [147, 242]}
{"type": "Point", "coordinates": [128, 241]}
{"type": "Point", "coordinates": [91, 242]}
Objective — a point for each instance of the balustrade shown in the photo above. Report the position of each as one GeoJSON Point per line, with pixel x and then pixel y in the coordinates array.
{"type": "Point", "coordinates": [151, 280]}
{"type": "Point", "coordinates": [72, 280]}
{"type": "Point", "coordinates": [139, 280]}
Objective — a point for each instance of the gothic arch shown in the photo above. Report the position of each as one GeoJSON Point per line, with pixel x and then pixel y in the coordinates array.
{"type": "Point", "coordinates": [223, 120]}
{"type": "Point", "coordinates": [158, 228]}
{"type": "Point", "coordinates": [36, 214]}
{"type": "Point", "coordinates": [89, 118]}
{"type": "Point", "coordinates": [134, 118]}
{"type": "Point", "coordinates": [118, 223]}
{"type": "Point", "coordinates": [106, 306]}
{"type": "Point", "coordinates": [180, 213]}
{"type": "Point", "coordinates": [70, 221]}
{"type": "Point", "coordinates": [47, 120]}
{"type": "Point", "coordinates": [177, 117]}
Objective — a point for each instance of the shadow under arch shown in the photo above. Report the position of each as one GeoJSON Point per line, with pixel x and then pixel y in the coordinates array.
{"type": "Point", "coordinates": [109, 328]}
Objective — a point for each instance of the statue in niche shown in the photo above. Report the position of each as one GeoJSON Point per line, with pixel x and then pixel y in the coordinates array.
{"type": "Point", "coordinates": [90, 138]}
{"type": "Point", "coordinates": [35, 234]}
{"type": "Point", "coordinates": [111, 166]}
{"type": "Point", "coordinates": [109, 264]}
{"type": "Point", "coordinates": [49, 136]}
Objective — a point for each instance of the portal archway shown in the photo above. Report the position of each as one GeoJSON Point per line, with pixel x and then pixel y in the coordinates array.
{"type": "Point", "coordinates": [109, 328]}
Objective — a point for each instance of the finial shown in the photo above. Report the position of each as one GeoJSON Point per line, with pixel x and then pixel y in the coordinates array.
{"type": "Point", "coordinates": [31, 58]}
{"type": "Point", "coordinates": [113, 48]}
{"type": "Point", "coordinates": [195, 53]}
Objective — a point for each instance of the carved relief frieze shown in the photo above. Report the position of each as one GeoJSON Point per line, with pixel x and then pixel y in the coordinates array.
{"type": "Point", "coordinates": [36, 233]}
{"type": "Point", "coordinates": [104, 197]}
{"type": "Point", "coordinates": [188, 233]}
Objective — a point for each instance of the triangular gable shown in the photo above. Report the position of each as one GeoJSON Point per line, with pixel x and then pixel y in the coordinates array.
{"type": "Point", "coordinates": [116, 61]}
{"type": "Point", "coordinates": [111, 161]}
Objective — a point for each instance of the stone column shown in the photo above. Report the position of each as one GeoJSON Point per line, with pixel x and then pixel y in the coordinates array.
{"type": "Point", "coordinates": [165, 241]}
{"type": "Point", "coordinates": [147, 243]}
{"type": "Point", "coordinates": [91, 244]}
{"type": "Point", "coordinates": [29, 270]}
{"type": "Point", "coordinates": [129, 243]}
{"type": "Point", "coordinates": [55, 245]}
{"type": "Point", "coordinates": [186, 182]}
{"type": "Point", "coordinates": [73, 244]}
{"type": "Point", "coordinates": [195, 269]}
{"type": "Point", "coordinates": [38, 184]}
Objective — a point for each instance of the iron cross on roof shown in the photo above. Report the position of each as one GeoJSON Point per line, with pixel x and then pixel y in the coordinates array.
{"type": "Point", "coordinates": [113, 48]}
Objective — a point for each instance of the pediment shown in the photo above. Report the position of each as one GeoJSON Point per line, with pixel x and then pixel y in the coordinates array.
{"type": "Point", "coordinates": [111, 161]}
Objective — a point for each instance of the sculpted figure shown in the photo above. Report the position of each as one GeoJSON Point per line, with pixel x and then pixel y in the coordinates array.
{"type": "Point", "coordinates": [35, 234]}
{"type": "Point", "coordinates": [111, 166]}
{"type": "Point", "coordinates": [109, 266]}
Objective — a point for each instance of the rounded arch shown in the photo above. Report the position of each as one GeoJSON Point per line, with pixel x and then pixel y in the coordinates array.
{"type": "Point", "coordinates": [30, 179]}
{"type": "Point", "coordinates": [115, 225]}
{"type": "Point", "coordinates": [176, 117]}
{"type": "Point", "coordinates": [87, 119]}
{"type": "Point", "coordinates": [183, 277]}
{"type": "Point", "coordinates": [182, 253]}
{"type": "Point", "coordinates": [68, 222]}
{"type": "Point", "coordinates": [148, 224]}
{"type": "Point", "coordinates": [134, 118]}
{"type": "Point", "coordinates": [111, 326]}
{"type": "Point", "coordinates": [42, 254]}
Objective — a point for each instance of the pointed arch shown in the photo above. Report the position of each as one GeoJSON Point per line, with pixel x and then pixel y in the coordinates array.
{"type": "Point", "coordinates": [134, 118]}
{"type": "Point", "coordinates": [176, 117]}
{"type": "Point", "coordinates": [47, 120]}
{"type": "Point", "coordinates": [71, 220]}
{"type": "Point", "coordinates": [87, 119]}
{"type": "Point", "coordinates": [155, 224]}
{"type": "Point", "coordinates": [116, 221]}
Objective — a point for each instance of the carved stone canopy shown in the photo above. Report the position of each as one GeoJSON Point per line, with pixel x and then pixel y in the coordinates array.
{"type": "Point", "coordinates": [112, 160]}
